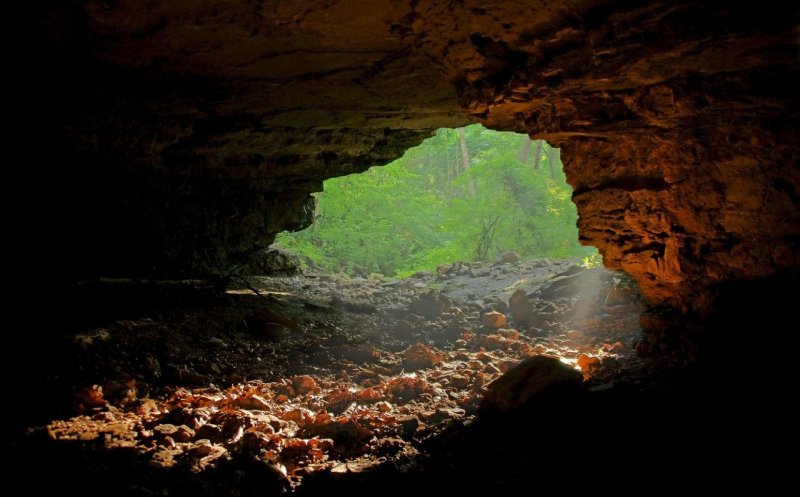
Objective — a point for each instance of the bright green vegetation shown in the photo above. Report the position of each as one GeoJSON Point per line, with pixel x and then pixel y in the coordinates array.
{"type": "Point", "coordinates": [464, 194]}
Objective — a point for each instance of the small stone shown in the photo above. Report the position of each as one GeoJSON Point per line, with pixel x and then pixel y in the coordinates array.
{"type": "Point", "coordinates": [509, 257]}
{"type": "Point", "coordinates": [420, 356]}
{"type": "Point", "coordinates": [304, 384]}
{"type": "Point", "coordinates": [520, 307]}
{"type": "Point", "coordinates": [183, 434]}
{"type": "Point", "coordinates": [430, 304]}
{"type": "Point", "coordinates": [408, 425]}
{"type": "Point", "coordinates": [587, 363]}
{"type": "Point", "coordinates": [165, 430]}
{"type": "Point", "coordinates": [253, 402]}
{"type": "Point", "coordinates": [493, 319]}
{"type": "Point", "coordinates": [208, 432]}
{"type": "Point", "coordinates": [297, 415]}
{"type": "Point", "coordinates": [202, 448]}
{"type": "Point", "coordinates": [167, 442]}
{"type": "Point", "coordinates": [459, 381]}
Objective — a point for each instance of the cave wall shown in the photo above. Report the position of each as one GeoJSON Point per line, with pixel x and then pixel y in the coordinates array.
{"type": "Point", "coordinates": [172, 138]}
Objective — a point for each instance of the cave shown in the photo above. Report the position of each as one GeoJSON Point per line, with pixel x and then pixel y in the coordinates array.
{"type": "Point", "coordinates": [152, 148]}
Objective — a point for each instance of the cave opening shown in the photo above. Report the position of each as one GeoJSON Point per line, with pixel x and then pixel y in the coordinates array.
{"type": "Point", "coordinates": [468, 194]}
{"type": "Point", "coordinates": [155, 147]}
{"type": "Point", "coordinates": [316, 365]}
{"type": "Point", "coordinates": [483, 221]}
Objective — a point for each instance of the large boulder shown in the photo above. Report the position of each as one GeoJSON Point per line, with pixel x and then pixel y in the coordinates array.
{"type": "Point", "coordinates": [531, 379]}
{"type": "Point", "coordinates": [272, 261]}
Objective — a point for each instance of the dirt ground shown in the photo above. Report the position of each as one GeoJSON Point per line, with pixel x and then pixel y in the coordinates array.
{"type": "Point", "coordinates": [322, 384]}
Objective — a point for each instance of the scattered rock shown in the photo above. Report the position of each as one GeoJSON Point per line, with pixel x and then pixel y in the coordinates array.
{"type": "Point", "coordinates": [520, 307]}
{"type": "Point", "coordinates": [531, 378]}
{"type": "Point", "coordinates": [420, 356]}
{"type": "Point", "coordinates": [493, 319]}
{"type": "Point", "coordinates": [588, 363]}
{"type": "Point", "coordinates": [509, 257]}
{"type": "Point", "coordinates": [430, 304]}
{"type": "Point", "coordinates": [90, 398]}
{"type": "Point", "coordinates": [359, 379]}
{"type": "Point", "coordinates": [304, 384]}
{"type": "Point", "coordinates": [253, 402]}
{"type": "Point", "coordinates": [209, 431]}
{"type": "Point", "coordinates": [408, 425]}
{"type": "Point", "coordinates": [165, 430]}
{"type": "Point", "coordinates": [177, 433]}
{"type": "Point", "coordinates": [202, 447]}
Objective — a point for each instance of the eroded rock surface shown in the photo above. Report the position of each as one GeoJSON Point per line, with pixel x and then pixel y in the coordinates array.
{"type": "Point", "coordinates": [173, 138]}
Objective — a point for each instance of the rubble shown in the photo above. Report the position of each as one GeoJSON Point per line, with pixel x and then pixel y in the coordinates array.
{"type": "Point", "coordinates": [341, 387]}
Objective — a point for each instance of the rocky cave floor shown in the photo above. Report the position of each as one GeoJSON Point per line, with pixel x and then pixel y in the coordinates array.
{"type": "Point", "coordinates": [324, 385]}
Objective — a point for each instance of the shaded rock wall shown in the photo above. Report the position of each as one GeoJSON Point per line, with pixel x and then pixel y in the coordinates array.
{"type": "Point", "coordinates": [173, 138]}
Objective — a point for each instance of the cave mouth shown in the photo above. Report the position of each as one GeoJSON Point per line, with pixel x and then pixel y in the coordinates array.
{"type": "Point", "coordinates": [311, 375]}
{"type": "Point", "coordinates": [466, 194]}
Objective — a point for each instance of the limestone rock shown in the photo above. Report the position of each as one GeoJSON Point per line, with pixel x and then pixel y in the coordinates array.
{"type": "Point", "coordinates": [520, 307]}
{"type": "Point", "coordinates": [420, 356]}
{"type": "Point", "coordinates": [509, 257]}
{"type": "Point", "coordinates": [430, 304]}
{"type": "Point", "coordinates": [532, 377]}
{"type": "Point", "coordinates": [270, 261]}
{"type": "Point", "coordinates": [493, 319]}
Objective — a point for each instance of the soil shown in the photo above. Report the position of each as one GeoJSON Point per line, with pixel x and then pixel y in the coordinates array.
{"type": "Point", "coordinates": [319, 384]}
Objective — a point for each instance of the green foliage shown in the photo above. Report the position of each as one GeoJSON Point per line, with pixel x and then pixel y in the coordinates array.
{"type": "Point", "coordinates": [419, 211]}
{"type": "Point", "coordinates": [592, 261]}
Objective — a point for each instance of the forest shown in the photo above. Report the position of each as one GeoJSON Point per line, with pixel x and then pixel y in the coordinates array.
{"type": "Point", "coordinates": [464, 194]}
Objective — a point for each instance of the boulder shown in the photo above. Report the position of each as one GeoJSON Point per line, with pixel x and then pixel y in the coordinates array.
{"type": "Point", "coordinates": [527, 381]}
{"type": "Point", "coordinates": [520, 307]}
{"type": "Point", "coordinates": [493, 319]}
{"type": "Point", "coordinates": [430, 304]}
{"type": "Point", "coordinates": [271, 260]}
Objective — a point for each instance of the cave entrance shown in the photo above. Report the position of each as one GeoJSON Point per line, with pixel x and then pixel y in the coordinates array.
{"type": "Point", "coordinates": [467, 194]}
{"type": "Point", "coordinates": [361, 360]}
{"type": "Point", "coordinates": [472, 228]}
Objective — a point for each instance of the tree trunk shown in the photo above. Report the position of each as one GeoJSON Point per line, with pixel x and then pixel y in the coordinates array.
{"type": "Point", "coordinates": [447, 167]}
{"type": "Point", "coordinates": [538, 157]}
{"type": "Point", "coordinates": [526, 150]}
{"type": "Point", "coordinates": [465, 156]}
{"type": "Point", "coordinates": [552, 156]}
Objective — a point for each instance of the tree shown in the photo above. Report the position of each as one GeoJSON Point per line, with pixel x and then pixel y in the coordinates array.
{"type": "Point", "coordinates": [462, 138]}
